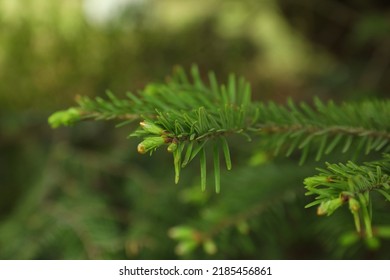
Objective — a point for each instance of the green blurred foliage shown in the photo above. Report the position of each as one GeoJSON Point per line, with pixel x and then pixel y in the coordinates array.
{"type": "Point", "coordinates": [84, 192]}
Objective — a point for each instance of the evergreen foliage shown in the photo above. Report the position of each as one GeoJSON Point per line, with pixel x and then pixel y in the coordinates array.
{"type": "Point", "coordinates": [195, 120]}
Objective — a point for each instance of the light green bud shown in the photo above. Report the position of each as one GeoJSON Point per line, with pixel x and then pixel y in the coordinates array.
{"type": "Point", "coordinates": [172, 147]}
{"type": "Point", "coordinates": [354, 205]}
{"type": "Point", "coordinates": [317, 180]}
{"type": "Point", "coordinates": [328, 207]}
{"type": "Point", "coordinates": [150, 143]}
{"type": "Point", "coordinates": [151, 128]}
{"type": "Point", "coordinates": [65, 117]}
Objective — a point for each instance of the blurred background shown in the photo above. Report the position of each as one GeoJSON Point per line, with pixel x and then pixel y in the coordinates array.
{"type": "Point", "coordinates": [85, 193]}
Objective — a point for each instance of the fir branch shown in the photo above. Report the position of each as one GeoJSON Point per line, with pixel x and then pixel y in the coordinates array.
{"type": "Point", "coordinates": [350, 183]}
{"type": "Point", "coordinates": [190, 114]}
{"type": "Point", "coordinates": [349, 125]}
{"type": "Point", "coordinates": [187, 116]}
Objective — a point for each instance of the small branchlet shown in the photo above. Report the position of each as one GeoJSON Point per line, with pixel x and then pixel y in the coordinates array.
{"type": "Point", "coordinates": [352, 183]}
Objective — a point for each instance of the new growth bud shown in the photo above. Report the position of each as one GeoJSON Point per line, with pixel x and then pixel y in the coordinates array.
{"type": "Point", "coordinates": [172, 147]}
{"type": "Point", "coordinates": [317, 180]}
{"type": "Point", "coordinates": [151, 128]}
{"type": "Point", "coordinates": [354, 205]}
{"type": "Point", "coordinates": [329, 206]}
{"type": "Point", "coordinates": [66, 117]}
{"type": "Point", "coordinates": [151, 143]}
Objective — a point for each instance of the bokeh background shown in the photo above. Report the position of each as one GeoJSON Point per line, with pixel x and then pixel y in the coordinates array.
{"type": "Point", "coordinates": [84, 192]}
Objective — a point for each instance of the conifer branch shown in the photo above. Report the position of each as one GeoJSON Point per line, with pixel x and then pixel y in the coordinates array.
{"type": "Point", "coordinates": [186, 115]}
{"type": "Point", "coordinates": [189, 114]}
{"type": "Point", "coordinates": [191, 111]}
{"type": "Point", "coordinates": [351, 184]}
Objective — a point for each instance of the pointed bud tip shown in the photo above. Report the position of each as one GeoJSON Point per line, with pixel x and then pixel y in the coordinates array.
{"type": "Point", "coordinates": [141, 148]}
{"type": "Point", "coordinates": [321, 211]}
{"type": "Point", "coordinates": [151, 128]}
